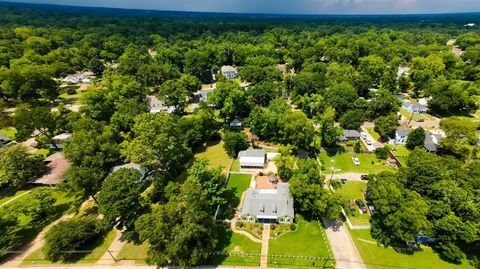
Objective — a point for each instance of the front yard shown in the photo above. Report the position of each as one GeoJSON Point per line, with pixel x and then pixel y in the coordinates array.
{"type": "Point", "coordinates": [309, 240]}
{"type": "Point", "coordinates": [369, 163]}
{"type": "Point", "coordinates": [234, 244]}
{"type": "Point", "coordinates": [415, 117]}
{"type": "Point", "coordinates": [377, 257]}
{"type": "Point", "coordinates": [401, 153]}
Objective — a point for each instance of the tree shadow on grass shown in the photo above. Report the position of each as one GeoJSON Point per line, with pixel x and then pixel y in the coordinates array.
{"type": "Point", "coordinates": [88, 249]}
{"type": "Point", "coordinates": [332, 151]}
{"type": "Point", "coordinates": [227, 211]}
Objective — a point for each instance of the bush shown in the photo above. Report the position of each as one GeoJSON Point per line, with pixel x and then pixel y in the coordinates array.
{"type": "Point", "coordinates": [74, 234]}
{"type": "Point", "coordinates": [292, 227]}
{"type": "Point", "coordinates": [71, 91]}
{"type": "Point", "coordinates": [382, 153]}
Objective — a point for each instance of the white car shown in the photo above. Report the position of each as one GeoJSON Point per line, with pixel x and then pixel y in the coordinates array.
{"type": "Point", "coordinates": [364, 135]}
{"type": "Point", "coordinates": [356, 161]}
{"type": "Point", "coordinates": [368, 142]}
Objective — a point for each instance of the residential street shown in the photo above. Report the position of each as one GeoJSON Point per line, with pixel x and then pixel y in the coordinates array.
{"type": "Point", "coordinates": [343, 247]}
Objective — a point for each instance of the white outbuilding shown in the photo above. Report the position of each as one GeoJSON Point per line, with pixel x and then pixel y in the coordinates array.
{"type": "Point", "coordinates": [252, 158]}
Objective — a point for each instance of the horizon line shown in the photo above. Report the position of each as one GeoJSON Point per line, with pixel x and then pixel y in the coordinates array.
{"type": "Point", "coordinates": [241, 13]}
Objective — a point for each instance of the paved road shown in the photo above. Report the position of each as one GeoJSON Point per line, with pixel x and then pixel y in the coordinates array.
{"type": "Point", "coordinates": [343, 247]}
{"type": "Point", "coordinates": [350, 176]}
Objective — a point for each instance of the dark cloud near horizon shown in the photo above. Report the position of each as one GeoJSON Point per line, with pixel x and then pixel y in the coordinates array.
{"type": "Point", "coordinates": [285, 6]}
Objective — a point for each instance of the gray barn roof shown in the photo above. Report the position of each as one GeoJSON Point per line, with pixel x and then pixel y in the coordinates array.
{"type": "Point", "coordinates": [428, 144]}
{"type": "Point", "coordinates": [351, 133]}
{"type": "Point", "coordinates": [268, 204]}
{"type": "Point", "coordinates": [252, 153]}
{"type": "Point", "coordinates": [403, 132]}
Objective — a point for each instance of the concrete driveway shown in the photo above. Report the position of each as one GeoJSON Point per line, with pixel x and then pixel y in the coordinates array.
{"type": "Point", "coordinates": [343, 247]}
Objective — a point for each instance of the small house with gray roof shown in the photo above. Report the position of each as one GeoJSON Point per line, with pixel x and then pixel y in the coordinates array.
{"type": "Point", "coordinates": [350, 135]}
{"type": "Point", "coordinates": [268, 205]}
{"type": "Point", "coordinates": [414, 108]}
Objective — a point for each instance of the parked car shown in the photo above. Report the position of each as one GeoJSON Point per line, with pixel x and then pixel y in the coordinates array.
{"type": "Point", "coordinates": [364, 177]}
{"type": "Point", "coordinates": [420, 120]}
{"type": "Point", "coordinates": [356, 161]}
{"type": "Point", "coordinates": [364, 135]}
{"type": "Point", "coordinates": [368, 142]}
{"type": "Point", "coordinates": [361, 206]}
{"type": "Point", "coordinates": [343, 180]}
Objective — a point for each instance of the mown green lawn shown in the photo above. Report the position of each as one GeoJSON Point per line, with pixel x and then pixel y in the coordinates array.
{"type": "Point", "coordinates": [374, 134]}
{"type": "Point", "coordinates": [135, 253]}
{"type": "Point", "coordinates": [368, 163]}
{"type": "Point", "coordinates": [235, 165]}
{"type": "Point", "coordinates": [353, 190]}
{"type": "Point", "coordinates": [236, 186]}
{"type": "Point", "coordinates": [215, 153]}
{"type": "Point", "coordinates": [232, 243]}
{"type": "Point", "coordinates": [415, 117]}
{"type": "Point", "coordinates": [9, 131]}
{"type": "Point", "coordinates": [401, 153]}
{"type": "Point", "coordinates": [308, 240]}
{"type": "Point", "coordinates": [13, 196]}
{"type": "Point", "coordinates": [377, 257]}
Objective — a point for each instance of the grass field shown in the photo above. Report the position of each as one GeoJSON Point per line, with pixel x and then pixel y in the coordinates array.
{"type": "Point", "coordinates": [215, 153]}
{"type": "Point", "coordinates": [12, 196]}
{"type": "Point", "coordinates": [376, 257]}
{"type": "Point", "coordinates": [368, 162]}
{"type": "Point", "coordinates": [235, 165]}
{"type": "Point", "coordinates": [98, 248]}
{"type": "Point", "coordinates": [237, 184]}
{"type": "Point", "coordinates": [374, 134]}
{"type": "Point", "coordinates": [238, 244]}
{"type": "Point", "coordinates": [415, 117]}
{"type": "Point", "coordinates": [135, 253]}
{"type": "Point", "coordinates": [401, 152]}
{"type": "Point", "coordinates": [353, 190]}
{"type": "Point", "coordinates": [308, 240]}
{"type": "Point", "coordinates": [9, 131]}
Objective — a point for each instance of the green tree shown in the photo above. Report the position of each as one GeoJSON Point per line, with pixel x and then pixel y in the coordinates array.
{"type": "Point", "coordinates": [120, 200]}
{"type": "Point", "coordinates": [18, 167]}
{"type": "Point", "coordinates": [180, 232]}
{"type": "Point", "coordinates": [230, 100]}
{"type": "Point", "coordinates": [157, 143]}
{"type": "Point", "coordinates": [36, 119]}
{"type": "Point", "coordinates": [328, 132]}
{"type": "Point", "coordinates": [352, 119]}
{"type": "Point", "coordinates": [173, 94]}
{"type": "Point", "coordinates": [387, 126]}
{"type": "Point", "coordinates": [234, 143]}
{"type": "Point", "coordinates": [341, 97]}
{"type": "Point", "coordinates": [211, 180]}
{"type": "Point", "coordinates": [453, 97]}
{"type": "Point", "coordinates": [416, 138]}
{"type": "Point", "coordinates": [263, 93]}
{"type": "Point", "coordinates": [72, 235]}
{"type": "Point", "coordinates": [400, 213]}
{"type": "Point", "coordinates": [86, 180]}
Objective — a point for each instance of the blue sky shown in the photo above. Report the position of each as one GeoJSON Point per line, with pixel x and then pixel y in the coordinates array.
{"type": "Point", "coordinates": [286, 6]}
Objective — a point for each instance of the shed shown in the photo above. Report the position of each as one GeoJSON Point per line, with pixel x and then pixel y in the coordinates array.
{"type": "Point", "coordinates": [236, 124]}
{"type": "Point", "coordinates": [350, 135]}
{"type": "Point", "coordinates": [59, 140]}
{"type": "Point", "coordinates": [252, 158]}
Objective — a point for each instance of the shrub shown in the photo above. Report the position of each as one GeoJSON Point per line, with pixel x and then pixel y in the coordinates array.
{"type": "Point", "coordinates": [74, 234]}
{"type": "Point", "coordinates": [292, 227]}
{"type": "Point", "coordinates": [382, 153]}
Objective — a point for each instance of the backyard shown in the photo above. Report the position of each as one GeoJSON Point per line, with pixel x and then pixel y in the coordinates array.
{"type": "Point", "coordinates": [214, 152]}
{"type": "Point", "coordinates": [353, 190]}
{"type": "Point", "coordinates": [377, 257]}
{"type": "Point", "coordinates": [401, 153]}
{"type": "Point", "coordinates": [416, 116]}
{"type": "Point", "coordinates": [308, 240]}
{"type": "Point", "coordinates": [369, 163]}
